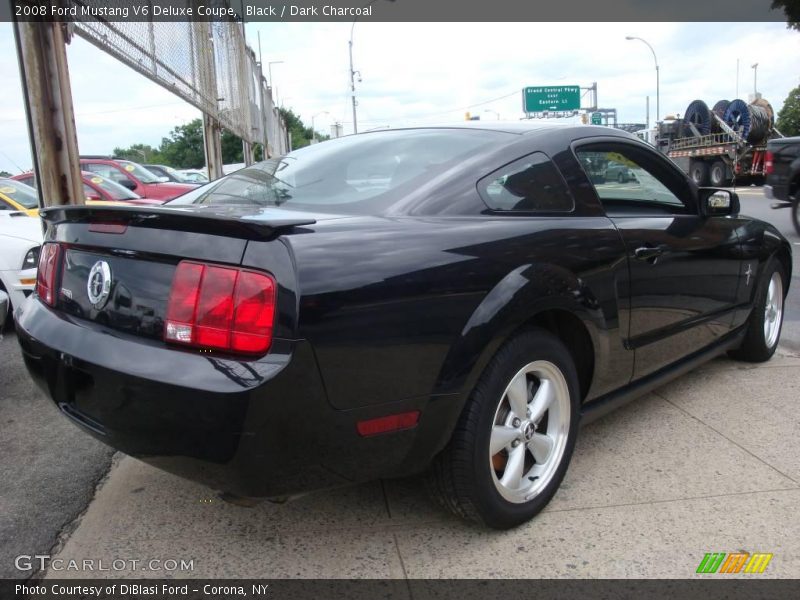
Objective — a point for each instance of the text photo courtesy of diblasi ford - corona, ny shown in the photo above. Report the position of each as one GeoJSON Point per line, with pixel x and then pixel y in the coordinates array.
{"type": "Point", "coordinates": [392, 299]}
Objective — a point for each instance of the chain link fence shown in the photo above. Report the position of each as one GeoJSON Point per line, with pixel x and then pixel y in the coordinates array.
{"type": "Point", "coordinates": [207, 64]}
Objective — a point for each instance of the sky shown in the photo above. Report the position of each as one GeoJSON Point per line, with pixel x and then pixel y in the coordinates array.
{"type": "Point", "coordinates": [428, 73]}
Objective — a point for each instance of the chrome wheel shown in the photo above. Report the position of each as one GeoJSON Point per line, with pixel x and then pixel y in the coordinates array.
{"type": "Point", "coordinates": [773, 310]}
{"type": "Point", "coordinates": [529, 431]}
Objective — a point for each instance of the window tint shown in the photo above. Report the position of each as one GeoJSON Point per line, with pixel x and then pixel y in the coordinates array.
{"type": "Point", "coordinates": [624, 181]}
{"type": "Point", "coordinates": [138, 171]}
{"type": "Point", "coordinates": [108, 171]}
{"type": "Point", "coordinates": [114, 190]}
{"type": "Point", "coordinates": [359, 174]}
{"type": "Point", "coordinates": [18, 192]}
{"type": "Point", "coordinates": [530, 184]}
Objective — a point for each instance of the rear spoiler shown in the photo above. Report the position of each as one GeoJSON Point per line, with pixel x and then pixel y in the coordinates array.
{"type": "Point", "coordinates": [248, 222]}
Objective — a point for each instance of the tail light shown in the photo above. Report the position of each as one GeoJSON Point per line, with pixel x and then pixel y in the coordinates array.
{"type": "Point", "coordinates": [221, 308]}
{"type": "Point", "coordinates": [769, 166]}
{"type": "Point", "coordinates": [47, 273]}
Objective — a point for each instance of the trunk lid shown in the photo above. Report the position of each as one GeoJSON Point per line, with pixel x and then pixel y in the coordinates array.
{"type": "Point", "coordinates": [138, 249]}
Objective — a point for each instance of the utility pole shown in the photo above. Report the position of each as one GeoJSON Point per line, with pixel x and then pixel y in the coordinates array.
{"type": "Point", "coordinates": [353, 71]}
{"type": "Point", "coordinates": [42, 57]}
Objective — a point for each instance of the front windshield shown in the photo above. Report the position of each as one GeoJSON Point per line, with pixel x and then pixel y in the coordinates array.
{"type": "Point", "coordinates": [174, 174]}
{"type": "Point", "coordinates": [360, 174]}
{"type": "Point", "coordinates": [22, 194]}
{"type": "Point", "coordinates": [114, 190]}
{"type": "Point", "coordinates": [138, 171]}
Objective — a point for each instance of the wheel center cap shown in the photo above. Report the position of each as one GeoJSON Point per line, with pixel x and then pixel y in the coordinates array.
{"type": "Point", "coordinates": [528, 430]}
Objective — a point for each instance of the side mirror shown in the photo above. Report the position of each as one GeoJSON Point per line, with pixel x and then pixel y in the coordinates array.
{"type": "Point", "coordinates": [93, 197]}
{"type": "Point", "coordinates": [127, 183]}
{"type": "Point", "coordinates": [163, 179]}
{"type": "Point", "coordinates": [716, 202]}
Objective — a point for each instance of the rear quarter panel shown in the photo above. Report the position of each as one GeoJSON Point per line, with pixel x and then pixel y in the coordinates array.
{"type": "Point", "coordinates": [402, 307]}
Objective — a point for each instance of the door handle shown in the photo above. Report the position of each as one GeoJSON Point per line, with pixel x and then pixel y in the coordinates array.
{"type": "Point", "coordinates": [648, 253]}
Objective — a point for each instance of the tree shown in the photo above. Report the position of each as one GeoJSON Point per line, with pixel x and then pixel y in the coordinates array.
{"type": "Point", "coordinates": [142, 153]}
{"type": "Point", "coordinates": [5, 174]}
{"type": "Point", "coordinates": [788, 122]}
{"type": "Point", "coordinates": [232, 151]}
{"type": "Point", "coordinates": [791, 9]}
{"type": "Point", "coordinates": [184, 146]}
{"type": "Point", "coordinates": [301, 135]}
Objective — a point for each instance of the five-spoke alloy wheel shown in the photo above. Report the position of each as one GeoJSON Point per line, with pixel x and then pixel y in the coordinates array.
{"type": "Point", "coordinates": [514, 439]}
{"type": "Point", "coordinates": [530, 431]}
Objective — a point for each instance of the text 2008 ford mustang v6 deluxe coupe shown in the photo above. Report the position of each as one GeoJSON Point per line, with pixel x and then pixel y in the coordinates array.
{"type": "Point", "coordinates": [454, 300]}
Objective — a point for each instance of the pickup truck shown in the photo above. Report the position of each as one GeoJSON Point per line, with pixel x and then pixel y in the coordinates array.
{"type": "Point", "coordinates": [782, 165]}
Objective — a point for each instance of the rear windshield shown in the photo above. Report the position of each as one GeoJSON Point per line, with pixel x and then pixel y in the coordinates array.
{"type": "Point", "coordinates": [361, 174]}
{"type": "Point", "coordinates": [114, 190]}
{"type": "Point", "coordinates": [138, 171]}
{"type": "Point", "coordinates": [22, 194]}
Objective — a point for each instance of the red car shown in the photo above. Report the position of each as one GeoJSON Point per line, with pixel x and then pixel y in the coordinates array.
{"type": "Point", "coordinates": [134, 177]}
{"type": "Point", "coordinates": [96, 188]}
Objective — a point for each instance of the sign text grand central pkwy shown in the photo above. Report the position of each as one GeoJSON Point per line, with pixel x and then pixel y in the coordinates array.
{"type": "Point", "coordinates": [551, 98]}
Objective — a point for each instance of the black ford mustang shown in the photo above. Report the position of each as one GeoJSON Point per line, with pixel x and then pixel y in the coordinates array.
{"type": "Point", "coordinates": [455, 300]}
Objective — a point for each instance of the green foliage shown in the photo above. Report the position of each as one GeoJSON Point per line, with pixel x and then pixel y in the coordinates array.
{"type": "Point", "coordinates": [788, 122]}
{"type": "Point", "coordinates": [301, 135]}
{"type": "Point", "coordinates": [141, 153]}
{"type": "Point", "coordinates": [791, 9]}
{"type": "Point", "coordinates": [183, 149]}
{"type": "Point", "coordinates": [5, 174]}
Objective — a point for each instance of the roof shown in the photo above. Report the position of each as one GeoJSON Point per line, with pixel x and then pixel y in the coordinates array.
{"type": "Point", "coordinates": [521, 127]}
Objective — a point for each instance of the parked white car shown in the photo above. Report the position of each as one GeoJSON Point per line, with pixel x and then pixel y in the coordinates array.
{"type": "Point", "coordinates": [20, 241]}
{"type": "Point", "coordinates": [194, 175]}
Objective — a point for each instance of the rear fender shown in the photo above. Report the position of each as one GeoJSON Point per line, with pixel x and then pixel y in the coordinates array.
{"type": "Point", "coordinates": [516, 300]}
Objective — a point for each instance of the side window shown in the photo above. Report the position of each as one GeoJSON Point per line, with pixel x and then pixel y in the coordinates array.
{"type": "Point", "coordinates": [89, 192]}
{"type": "Point", "coordinates": [107, 171]}
{"type": "Point", "coordinates": [530, 184]}
{"type": "Point", "coordinates": [628, 182]}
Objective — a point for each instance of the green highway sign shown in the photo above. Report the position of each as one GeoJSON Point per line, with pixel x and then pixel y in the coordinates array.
{"type": "Point", "coordinates": [597, 118]}
{"type": "Point", "coordinates": [548, 98]}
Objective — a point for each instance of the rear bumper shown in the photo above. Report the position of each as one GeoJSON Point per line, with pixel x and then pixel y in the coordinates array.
{"type": "Point", "coordinates": [260, 429]}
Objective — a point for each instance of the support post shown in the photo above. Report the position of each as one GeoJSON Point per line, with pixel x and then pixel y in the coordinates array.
{"type": "Point", "coordinates": [42, 56]}
{"type": "Point", "coordinates": [247, 153]}
{"type": "Point", "coordinates": [212, 144]}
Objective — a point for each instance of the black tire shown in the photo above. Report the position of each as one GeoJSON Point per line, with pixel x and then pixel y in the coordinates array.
{"type": "Point", "coordinates": [754, 347]}
{"type": "Point", "coordinates": [718, 174]}
{"type": "Point", "coordinates": [698, 171]}
{"type": "Point", "coordinates": [460, 477]}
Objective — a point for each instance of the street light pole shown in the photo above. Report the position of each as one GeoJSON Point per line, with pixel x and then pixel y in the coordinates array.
{"type": "Point", "coordinates": [269, 70]}
{"type": "Point", "coordinates": [489, 110]}
{"type": "Point", "coordinates": [755, 78]}
{"type": "Point", "coordinates": [655, 60]}
{"type": "Point", "coordinates": [353, 71]}
{"type": "Point", "coordinates": [314, 131]}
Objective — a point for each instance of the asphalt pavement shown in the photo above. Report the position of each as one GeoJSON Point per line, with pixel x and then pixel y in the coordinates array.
{"type": "Point", "coordinates": [48, 468]}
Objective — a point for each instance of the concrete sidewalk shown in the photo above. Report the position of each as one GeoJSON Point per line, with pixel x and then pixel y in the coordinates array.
{"type": "Point", "coordinates": [708, 463]}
